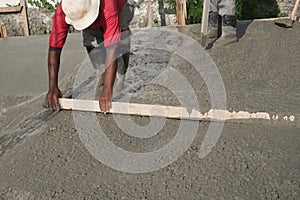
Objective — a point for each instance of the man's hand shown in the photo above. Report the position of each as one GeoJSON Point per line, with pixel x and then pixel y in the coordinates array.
{"type": "Point", "coordinates": [105, 100]}
{"type": "Point", "coordinates": [52, 99]}
{"type": "Point", "coordinates": [54, 92]}
{"type": "Point", "coordinates": [109, 79]}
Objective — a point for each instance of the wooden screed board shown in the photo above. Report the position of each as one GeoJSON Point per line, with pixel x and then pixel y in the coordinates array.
{"type": "Point", "coordinates": [173, 112]}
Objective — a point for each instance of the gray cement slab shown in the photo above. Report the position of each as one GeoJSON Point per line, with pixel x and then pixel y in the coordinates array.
{"type": "Point", "coordinates": [24, 63]}
{"type": "Point", "coordinates": [250, 161]}
{"type": "Point", "coordinates": [42, 156]}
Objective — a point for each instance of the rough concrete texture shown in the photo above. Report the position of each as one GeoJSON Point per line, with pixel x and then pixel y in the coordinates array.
{"type": "Point", "coordinates": [42, 156]}
{"type": "Point", "coordinates": [286, 6]}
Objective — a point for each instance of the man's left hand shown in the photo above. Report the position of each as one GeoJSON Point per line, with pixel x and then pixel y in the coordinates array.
{"type": "Point", "coordinates": [105, 100]}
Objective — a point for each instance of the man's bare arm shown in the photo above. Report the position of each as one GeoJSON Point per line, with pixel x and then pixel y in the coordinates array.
{"type": "Point", "coordinates": [53, 68]}
{"type": "Point", "coordinates": [105, 98]}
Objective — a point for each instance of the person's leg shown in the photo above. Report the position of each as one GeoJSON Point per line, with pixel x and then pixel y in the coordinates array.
{"type": "Point", "coordinates": [226, 7]}
{"type": "Point", "coordinates": [125, 16]}
{"type": "Point", "coordinates": [214, 28]}
{"type": "Point", "coordinates": [88, 39]}
{"type": "Point", "coordinates": [93, 42]}
{"type": "Point", "coordinates": [229, 22]}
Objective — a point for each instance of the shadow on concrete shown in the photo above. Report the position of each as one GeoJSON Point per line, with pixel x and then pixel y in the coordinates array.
{"type": "Point", "coordinates": [241, 29]}
{"type": "Point", "coordinates": [257, 9]}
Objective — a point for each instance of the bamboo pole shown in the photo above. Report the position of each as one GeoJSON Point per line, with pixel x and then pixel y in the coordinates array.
{"type": "Point", "coordinates": [181, 12]}
{"type": "Point", "coordinates": [204, 24]}
{"type": "Point", "coordinates": [3, 32]}
{"type": "Point", "coordinates": [24, 17]}
{"type": "Point", "coordinates": [149, 13]}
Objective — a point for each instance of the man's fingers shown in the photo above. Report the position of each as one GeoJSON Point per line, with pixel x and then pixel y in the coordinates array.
{"type": "Point", "coordinates": [47, 103]}
{"type": "Point", "coordinates": [56, 105]}
{"type": "Point", "coordinates": [52, 101]}
{"type": "Point", "coordinates": [105, 101]}
{"type": "Point", "coordinates": [105, 106]}
{"type": "Point", "coordinates": [52, 105]}
{"type": "Point", "coordinates": [108, 106]}
{"type": "Point", "coordinates": [102, 106]}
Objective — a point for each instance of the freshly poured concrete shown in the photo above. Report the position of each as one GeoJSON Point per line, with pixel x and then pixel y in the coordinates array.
{"type": "Point", "coordinates": [24, 63]}
{"type": "Point", "coordinates": [42, 156]}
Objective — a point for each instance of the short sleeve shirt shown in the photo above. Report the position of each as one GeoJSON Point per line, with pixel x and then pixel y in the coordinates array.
{"type": "Point", "coordinates": [107, 22]}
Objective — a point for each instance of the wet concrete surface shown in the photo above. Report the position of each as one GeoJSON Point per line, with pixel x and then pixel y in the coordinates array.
{"type": "Point", "coordinates": [24, 61]}
{"type": "Point", "coordinates": [42, 155]}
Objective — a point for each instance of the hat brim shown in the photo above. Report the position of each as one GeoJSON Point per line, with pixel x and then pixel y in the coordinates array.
{"type": "Point", "coordinates": [87, 19]}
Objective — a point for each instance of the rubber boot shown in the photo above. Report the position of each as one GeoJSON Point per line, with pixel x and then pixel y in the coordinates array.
{"type": "Point", "coordinates": [213, 25]}
{"type": "Point", "coordinates": [228, 35]}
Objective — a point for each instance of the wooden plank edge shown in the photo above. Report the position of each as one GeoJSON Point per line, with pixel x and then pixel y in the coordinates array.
{"type": "Point", "coordinates": [266, 19]}
{"type": "Point", "coordinates": [126, 108]}
{"type": "Point", "coordinates": [171, 112]}
{"type": "Point", "coordinates": [11, 9]}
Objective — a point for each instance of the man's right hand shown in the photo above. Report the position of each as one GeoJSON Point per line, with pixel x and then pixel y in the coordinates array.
{"type": "Point", "coordinates": [54, 92]}
{"type": "Point", "coordinates": [52, 99]}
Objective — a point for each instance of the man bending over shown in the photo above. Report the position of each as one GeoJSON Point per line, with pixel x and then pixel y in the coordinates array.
{"type": "Point", "coordinates": [97, 19]}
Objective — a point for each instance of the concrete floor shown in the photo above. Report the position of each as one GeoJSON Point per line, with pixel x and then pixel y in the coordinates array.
{"type": "Point", "coordinates": [42, 155]}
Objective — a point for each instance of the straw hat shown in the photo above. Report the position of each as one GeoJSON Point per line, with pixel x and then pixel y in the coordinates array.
{"type": "Point", "coordinates": [80, 13]}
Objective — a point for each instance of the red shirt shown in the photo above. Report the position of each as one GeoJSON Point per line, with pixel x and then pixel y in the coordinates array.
{"type": "Point", "coordinates": [107, 22]}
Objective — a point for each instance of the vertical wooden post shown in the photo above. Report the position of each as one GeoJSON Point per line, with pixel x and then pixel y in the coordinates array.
{"type": "Point", "coordinates": [149, 13]}
{"type": "Point", "coordinates": [3, 31]}
{"type": "Point", "coordinates": [181, 12]}
{"type": "Point", "coordinates": [293, 15]}
{"type": "Point", "coordinates": [24, 17]}
{"type": "Point", "coordinates": [204, 23]}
